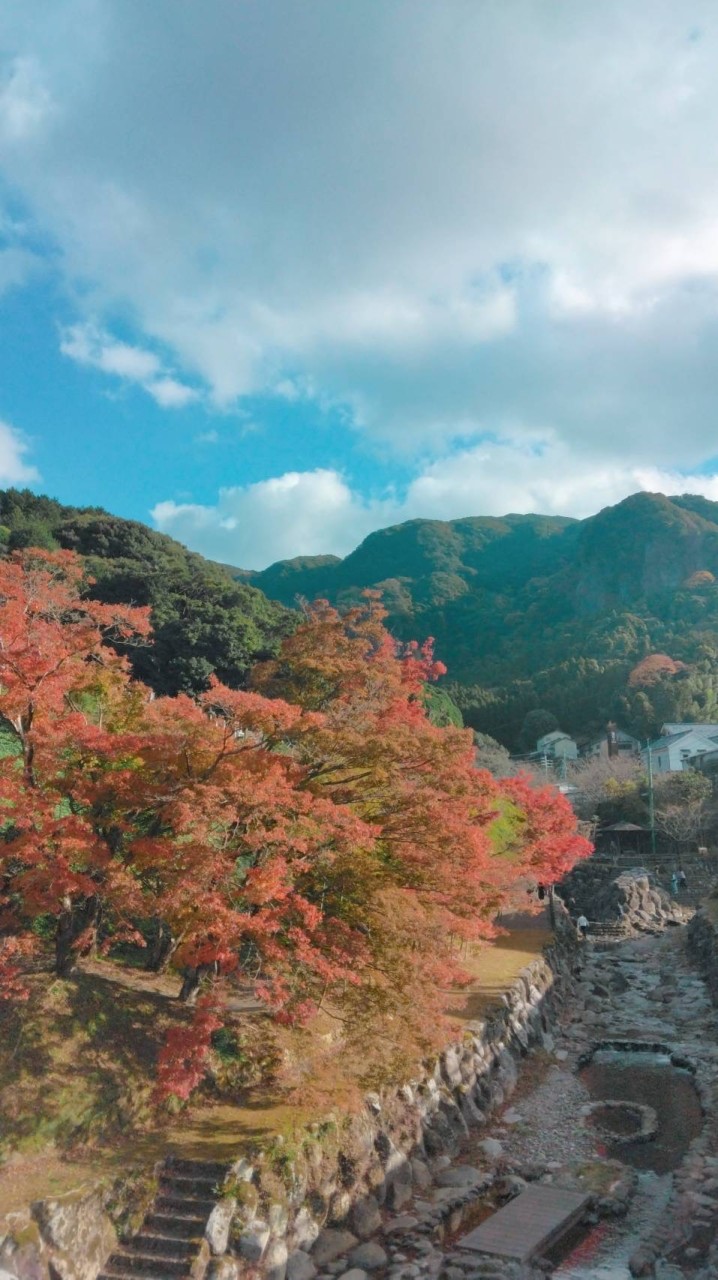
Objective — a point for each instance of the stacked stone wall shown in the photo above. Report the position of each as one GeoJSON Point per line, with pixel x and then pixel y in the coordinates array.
{"type": "Point", "coordinates": [292, 1209]}
{"type": "Point", "coordinates": [703, 948]}
{"type": "Point", "coordinates": [331, 1194]}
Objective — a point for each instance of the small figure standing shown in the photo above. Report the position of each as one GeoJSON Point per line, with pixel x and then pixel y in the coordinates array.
{"type": "Point", "coordinates": [674, 882]}
{"type": "Point", "coordinates": [582, 926]}
{"type": "Point", "coordinates": [682, 882]}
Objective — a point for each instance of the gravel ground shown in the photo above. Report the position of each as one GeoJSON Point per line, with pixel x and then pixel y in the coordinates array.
{"type": "Point", "coordinates": [549, 1129]}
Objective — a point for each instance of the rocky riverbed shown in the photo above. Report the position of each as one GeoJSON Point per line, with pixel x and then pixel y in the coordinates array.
{"type": "Point", "coordinates": [642, 1004]}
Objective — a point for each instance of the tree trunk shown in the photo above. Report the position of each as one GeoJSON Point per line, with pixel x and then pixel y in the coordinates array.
{"type": "Point", "coordinates": [162, 949]}
{"type": "Point", "coordinates": [65, 955]}
{"type": "Point", "coordinates": [71, 924]}
{"type": "Point", "coordinates": [193, 976]}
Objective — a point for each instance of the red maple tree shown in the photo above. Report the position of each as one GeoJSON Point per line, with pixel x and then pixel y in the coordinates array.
{"type": "Point", "coordinates": [316, 837]}
{"type": "Point", "coordinates": [57, 682]}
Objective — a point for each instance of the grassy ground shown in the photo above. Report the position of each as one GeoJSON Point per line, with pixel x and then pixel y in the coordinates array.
{"type": "Point", "coordinates": [77, 1064]}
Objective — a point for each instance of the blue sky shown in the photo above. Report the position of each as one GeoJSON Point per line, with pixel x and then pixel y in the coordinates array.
{"type": "Point", "coordinates": [273, 274]}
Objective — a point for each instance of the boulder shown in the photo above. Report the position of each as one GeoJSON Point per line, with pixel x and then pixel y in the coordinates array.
{"type": "Point", "coordinates": [365, 1217]}
{"type": "Point", "coordinates": [330, 1244]}
{"type": "Point", "coordinates": [399, 1186]}
{"type": "Point", "coordinates": [404, 1222]}
{"type": "Point", "coordinates": [492, 1148]}
{"type": "Point", "coordinates": [77, 1233]}
{"type": "Point", "coordinates": [218, 1226]}
{"type": "Point", "coordinates": [306, 1228]}
{"type": "Point", "coordinates": [274, 1263]}
{"type": "Point", "coordinates": [254, 1240]}
{"type": "Point", "coordinates": [223, 1269]}
{"type": "Point", "coordinates": [421, 1174]}
{"type": "Point", "coordinates": [300, 1266]}
{"type": "Point", "coordinates": [368, 1256]}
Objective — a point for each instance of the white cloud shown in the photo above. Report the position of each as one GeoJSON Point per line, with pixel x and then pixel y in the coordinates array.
{"type": "Point", "coordinates": [317, 512]}
{"type": "Point", "coordinates": [89, 345]}
{"type": "Point", "coordinates": [294, 514]}
{"type": "Point", "coordinates": [456, 219]}
{"type": "Point", "coordinates": [171, 394]}
{"type": "Point", "coordinates": [25, 102]}
{"type": "Point", "coordinates": [13, 467]}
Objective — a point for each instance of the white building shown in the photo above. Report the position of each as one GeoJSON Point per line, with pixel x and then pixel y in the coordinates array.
{"type": "Point", "coordinates": [557, 745]}
{"type": "Point", "coordinates": [678, 743]}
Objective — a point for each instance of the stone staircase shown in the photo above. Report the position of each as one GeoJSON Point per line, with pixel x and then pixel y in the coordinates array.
{"type": "Point", "coordinates": [168, 1242]}
{"type": "Point", "coordinates": [606, 931]}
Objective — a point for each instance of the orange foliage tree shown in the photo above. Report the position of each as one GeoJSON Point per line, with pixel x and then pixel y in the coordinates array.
{"type": "Point", "coordinates": [651, 669]}
{"type": "Point", "coordinates": [59, 861]}
{"type": "Point", "coordinates": [436, 871]}
{"type": "Point", "coordinates": [316, 836]}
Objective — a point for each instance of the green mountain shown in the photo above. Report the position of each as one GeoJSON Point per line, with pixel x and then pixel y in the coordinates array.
{"type": "Point", "coordinates": [203, 619]}
{"type": "Point", "coordinates": [544, 612]}
{"type": "Point", "coordinates": [530, 613]}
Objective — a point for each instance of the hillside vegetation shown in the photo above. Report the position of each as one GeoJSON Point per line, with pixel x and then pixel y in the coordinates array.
{"type": "Point", "coordinates": [529, 613]}
{"type": "Point", "coordinates": [545, 612]}
{"type": "Point", "coordinates": [203, 621]}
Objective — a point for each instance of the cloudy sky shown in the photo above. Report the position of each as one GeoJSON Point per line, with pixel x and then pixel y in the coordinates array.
{"type": "Point", "coordinates": [274, 273]}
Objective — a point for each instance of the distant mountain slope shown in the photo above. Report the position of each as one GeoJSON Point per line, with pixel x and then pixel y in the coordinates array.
{"type": "Point", "coordinates": [532, 611]}
{"type": "Point", "coordinates": [204, 621]}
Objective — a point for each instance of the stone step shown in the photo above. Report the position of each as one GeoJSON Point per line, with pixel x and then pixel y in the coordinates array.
{"type": "Point", "coordinates": [135, 1264]}
{"type": "Point", "coordinates": [175, 1203]}
{"type": "Point", "coordinates": [189, 1184]}
{"type": "Point", "coordinates": [175, 1225]}
{"type": "Point", "coordinates": [160, 1246]}
{"type": "Point", "coordinates": [199, 1168]}
{"type": "Point", "coordinates": [119, 1274]}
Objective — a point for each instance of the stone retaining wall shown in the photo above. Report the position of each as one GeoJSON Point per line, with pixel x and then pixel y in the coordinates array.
{"type": "Point", "coordinates": [703, 949]}
{"type": "Point", "coordinates": [290, 1214]}
{"type": "Point", "coordinates": [294, 1208]}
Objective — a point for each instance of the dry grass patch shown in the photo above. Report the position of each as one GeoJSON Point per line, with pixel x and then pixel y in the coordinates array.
{"type": "Point", "coordinates": [78, 1061]}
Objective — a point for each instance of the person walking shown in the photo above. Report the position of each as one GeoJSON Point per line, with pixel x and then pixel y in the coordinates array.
{"type": "Point", "coordinates": [582, 926]}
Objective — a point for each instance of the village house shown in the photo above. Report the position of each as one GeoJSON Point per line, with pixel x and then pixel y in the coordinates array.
{"type": "Point", "coordinates": [557, 746]}
{"type": "Point", "coordinates": [614, 742]}
{"type": "Point", "coordinates": [680, 745]}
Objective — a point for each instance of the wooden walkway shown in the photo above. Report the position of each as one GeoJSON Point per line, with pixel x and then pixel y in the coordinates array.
{"type": "Point", "coordinates": [529, 1224]}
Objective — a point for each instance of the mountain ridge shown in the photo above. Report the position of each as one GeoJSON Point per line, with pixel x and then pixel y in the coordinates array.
{"type": "Point", "coordinates": [528, 611]}
{"type": "Point", "coordinates": [533, 610]}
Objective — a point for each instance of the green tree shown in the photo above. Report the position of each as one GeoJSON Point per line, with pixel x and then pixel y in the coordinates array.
{"type": "Point", "coordinates": [536, 724]}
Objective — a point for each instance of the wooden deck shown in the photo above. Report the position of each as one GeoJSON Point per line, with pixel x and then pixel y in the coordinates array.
{"type": "Point", "coordinates": [528, 1225]}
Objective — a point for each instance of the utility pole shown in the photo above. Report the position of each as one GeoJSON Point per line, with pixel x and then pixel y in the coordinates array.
{"type": "Point", "coordinates": [651, 809]}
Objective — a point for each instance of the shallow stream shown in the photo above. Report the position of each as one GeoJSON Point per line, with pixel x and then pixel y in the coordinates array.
{"type": "Point", "coordinates": [651, 1080]}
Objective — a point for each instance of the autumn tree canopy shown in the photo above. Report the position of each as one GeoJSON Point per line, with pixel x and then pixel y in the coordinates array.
{"type": "Point", "coordinates": [317, 837]}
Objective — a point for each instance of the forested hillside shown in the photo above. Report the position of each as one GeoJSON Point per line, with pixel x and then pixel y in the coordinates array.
{"type": "Point", "coordinates": [203, 621]}
{"type": "Point", "coordinates": [544, 612]}
{"type": "Point", "coordinates": [528, 612]}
